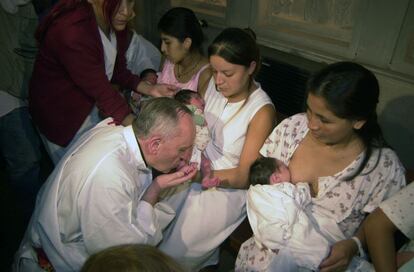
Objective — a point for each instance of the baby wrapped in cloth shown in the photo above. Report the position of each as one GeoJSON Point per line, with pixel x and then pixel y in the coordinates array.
{"type": "Point", "coordinates": [282, 224]}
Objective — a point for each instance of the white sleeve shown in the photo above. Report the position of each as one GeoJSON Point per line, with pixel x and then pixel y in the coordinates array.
{"type": "Point", "coordinates": [113, 215]}
{"type": "Point", "coordinates": [141, 55]}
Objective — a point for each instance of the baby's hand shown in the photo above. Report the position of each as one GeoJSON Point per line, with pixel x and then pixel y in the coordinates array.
{"type": "Point", "coordinates": [136, 96]}
{"type": "Point", "coordinates": [209, 182]}
{"type": "Point", "coordinates": [188, 168]}
{"type": "Point", "coordinates": [180, 176]}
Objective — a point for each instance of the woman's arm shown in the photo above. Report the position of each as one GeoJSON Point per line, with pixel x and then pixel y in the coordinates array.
{"type": "Point", "coordinates": [379, 234]}
{"type": "Point", "coordinates": [258, 130]}
{"type": "Point", "coordinates": [157, 90]}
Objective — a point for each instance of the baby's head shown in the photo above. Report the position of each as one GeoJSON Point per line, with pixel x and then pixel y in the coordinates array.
{"type": "Point", "coordinates": [189, 97]}
{"type": "Point", "coordinates": [149, 75]}
{"type": "Point", "coordinates": [131, 258]}
{"type": "Point", "coordinates": [268, 171]}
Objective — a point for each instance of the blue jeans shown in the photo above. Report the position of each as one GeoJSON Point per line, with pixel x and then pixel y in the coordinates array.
{"type": "Point", "coordinates": [20, 149]}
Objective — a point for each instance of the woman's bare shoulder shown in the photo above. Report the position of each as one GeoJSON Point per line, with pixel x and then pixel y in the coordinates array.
{"type": "Point", "coordinates": [203, 80]}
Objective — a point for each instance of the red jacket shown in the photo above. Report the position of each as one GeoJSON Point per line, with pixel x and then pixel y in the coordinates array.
{"type": "Point", "coordinates": [69, 77]}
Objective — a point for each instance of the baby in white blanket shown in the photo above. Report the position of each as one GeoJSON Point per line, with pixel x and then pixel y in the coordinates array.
{"type": "Point", "coordinates": [277, 212]}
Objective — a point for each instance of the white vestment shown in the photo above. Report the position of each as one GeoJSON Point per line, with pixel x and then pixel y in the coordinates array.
{"type": "Point", "coordinates": [92, 200]}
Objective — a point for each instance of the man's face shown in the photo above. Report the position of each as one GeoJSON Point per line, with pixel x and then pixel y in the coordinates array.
{"type": "Point", "coordinates": [176, 149]}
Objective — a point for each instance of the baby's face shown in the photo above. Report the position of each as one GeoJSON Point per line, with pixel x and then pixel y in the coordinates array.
{"type": "Point", "coordinates": [281, 175]}
{"type": "Point", "coordinates": [198, 102]}
{"type": "Point", "coordinates": [151, 77]}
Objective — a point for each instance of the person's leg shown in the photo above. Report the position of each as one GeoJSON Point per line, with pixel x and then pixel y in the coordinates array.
{"type": "Point", "coordinates": [20, 148]}
{"type": "Point", "coordinates": [204, 221]}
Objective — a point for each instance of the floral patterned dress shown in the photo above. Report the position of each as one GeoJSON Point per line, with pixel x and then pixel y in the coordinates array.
{"type": "Point", "coordinates": [345, 202]}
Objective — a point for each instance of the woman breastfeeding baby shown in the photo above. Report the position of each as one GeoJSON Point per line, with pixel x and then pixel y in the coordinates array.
{"type": "Point", "coordinates": [337, 152]}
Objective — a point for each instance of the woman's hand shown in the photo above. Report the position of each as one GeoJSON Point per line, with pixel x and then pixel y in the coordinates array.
{"type": "Point", "coordinates": [157, 90]}
{"type": "Point", "coordinates": [160, 90]}
{"type": "Point", "coordinates": [341, 255]}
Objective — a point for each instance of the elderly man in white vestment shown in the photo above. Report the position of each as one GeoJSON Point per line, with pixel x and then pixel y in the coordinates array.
{"type": "Point", "coordinates": [102, 192]}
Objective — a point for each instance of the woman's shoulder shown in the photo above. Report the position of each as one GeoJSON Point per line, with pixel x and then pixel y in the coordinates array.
{"type": "Point", "coordinates": [387, 159]}
{"type": "Point", "coordinates": [259, 97]}
{"type": "Point", "coordinates": [384, 168]}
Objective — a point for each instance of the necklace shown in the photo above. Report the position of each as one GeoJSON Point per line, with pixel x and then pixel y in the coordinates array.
{"type": "Point", "coordinates": [183, 73]}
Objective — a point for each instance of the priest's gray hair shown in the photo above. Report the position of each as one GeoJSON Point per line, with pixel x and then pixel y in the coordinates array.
{"type": "Point", "coordinates": [159, 116]}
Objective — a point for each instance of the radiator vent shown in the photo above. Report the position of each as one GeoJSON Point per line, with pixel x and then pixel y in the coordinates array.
{"type": "Point", "coordinates": [285, 84]}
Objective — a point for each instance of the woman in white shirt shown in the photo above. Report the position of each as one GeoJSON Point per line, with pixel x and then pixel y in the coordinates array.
{"type": "Point", "coordinates": [240, 116]}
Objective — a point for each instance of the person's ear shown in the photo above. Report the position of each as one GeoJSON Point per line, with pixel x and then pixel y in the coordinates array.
{"type": "Point", "coordinates": [358, 124]}
{"type": "Point", "coordinates": [252, 67]}
{"type": "Point", "coordinates": [154, 144]}
{"type": "Point", "coordinates": [274, 178]}
{"type": "Point", "coordinates": [187, 43]}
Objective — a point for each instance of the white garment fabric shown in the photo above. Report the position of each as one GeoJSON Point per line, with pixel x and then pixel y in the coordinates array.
{"type": "Point", "coordinates": [278, 217]}
{"type": "Point", "coordinates": [56, 152]}
{"type": "Point", "coordinates": [92, 200]}
{"type": "Point", "coordinates": [208, 217]}
{"type": "Point", "coordinates": [110, 51]}
{"type": "Point", "coordinates": [399, 209]}
{"type": "Point", "coordinates": [141, 55]}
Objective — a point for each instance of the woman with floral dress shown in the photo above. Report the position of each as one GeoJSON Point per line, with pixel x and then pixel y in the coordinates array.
{"type": "Point", "coordinates": [338, 149]}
